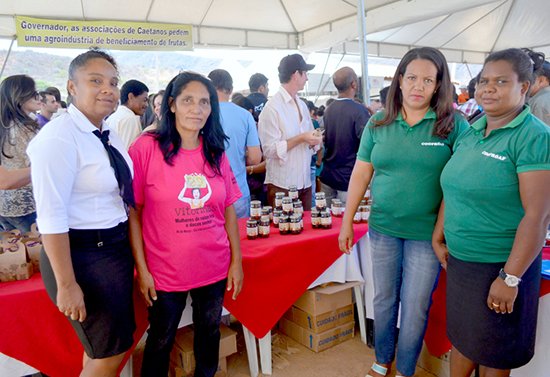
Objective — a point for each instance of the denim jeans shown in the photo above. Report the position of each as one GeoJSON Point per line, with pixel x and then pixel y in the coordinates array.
{"type": "Point", "coordinates": [23, 223]}
{"type": "Point", "coordinates": [242, 207]}
{"type": "Point", "coordinates": [164, 317]}
{"type": "Point", "coordinates": [406, 272]}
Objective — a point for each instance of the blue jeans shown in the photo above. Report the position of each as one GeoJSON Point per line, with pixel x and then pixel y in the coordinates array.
{"type": "Point", "coordinates": [23, 223]}
{"type": "Point", "coordinates": [164, 317]}
{"type": "Point", "coordinates": [242, 207]}
{"type": "Point", "coordinates": [406, 272]}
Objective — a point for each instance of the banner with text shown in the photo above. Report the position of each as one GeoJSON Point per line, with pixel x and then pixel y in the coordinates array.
{"type": "Point", "coordinates": [114, 35]}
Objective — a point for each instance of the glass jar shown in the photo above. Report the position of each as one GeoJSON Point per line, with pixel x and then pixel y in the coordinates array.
{"type": "Point", "coordinates": [315, 218]}
{"type": "Point", "coordinates": [287, 205]}
{"type": "Point", "coordinates": [337, 208]}
{"type": "Point", "coordinates": [263, 229]}
{"type": "Point", "coordinates": [326, 219]}
{"type": "Point", "coordinates": [284, 225]}
{"type": "Point", "coordinates": [293, 192]}
{"type": "Point", "coordinates": [255, 210]}
{"type": "Point", "coordinates": [365, 214]}
{"type": "Point", "coordinates": [297, 207]}
{"type": "Point", "coordinates": [294, 225]}
{"type": "Point", "coordinates": [320, 201]}
{"type": "Point", "coordinates": [276, 216]}
{"type": "Point", "coordinates": [358, 217]}
{"type": "Point", "coordinates": [269, 211]}
{"type": "Point", "coordinates": [279, 199]}
{"type": "Point", "coordinates": [251, 229]}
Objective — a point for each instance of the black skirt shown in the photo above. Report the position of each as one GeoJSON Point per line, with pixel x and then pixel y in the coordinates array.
{"type": "Point", "coordinates": [500, 341]}
{"type": "Point", "coordinates": [104, 270]}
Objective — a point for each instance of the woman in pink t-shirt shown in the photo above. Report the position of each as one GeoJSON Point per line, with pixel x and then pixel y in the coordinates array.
{"type": "Point", "coordinates": [184, 232]}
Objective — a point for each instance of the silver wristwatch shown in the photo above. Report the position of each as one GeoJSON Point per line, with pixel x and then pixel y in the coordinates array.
{"type": "Point", "coordinates": [510, 280]}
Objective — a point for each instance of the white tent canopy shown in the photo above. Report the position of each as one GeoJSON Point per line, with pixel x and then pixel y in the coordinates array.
{"type": "Point", "coordinates": [464, 30]}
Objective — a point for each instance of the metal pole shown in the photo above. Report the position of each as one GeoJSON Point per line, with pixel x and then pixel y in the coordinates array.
{"type": "Point", "coordinates": [7, 57]}
{"type": "Point", "coordinates": [363, 45]}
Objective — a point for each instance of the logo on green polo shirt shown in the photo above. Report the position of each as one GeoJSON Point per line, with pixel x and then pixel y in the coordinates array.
{"type": "Point", "coordinates": [432, 144]}
{"type": "Point", "coordinates": [494, 155]}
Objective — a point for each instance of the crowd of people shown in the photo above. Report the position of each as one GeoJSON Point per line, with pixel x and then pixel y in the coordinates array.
{"type": "Point", "coordinates": [125, 180]}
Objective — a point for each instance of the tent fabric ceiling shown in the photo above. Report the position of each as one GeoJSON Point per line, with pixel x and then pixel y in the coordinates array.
{"type": "Point", "coordinates": [464, 30]}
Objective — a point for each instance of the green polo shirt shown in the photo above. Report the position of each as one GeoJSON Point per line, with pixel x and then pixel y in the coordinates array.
{"type": "Point", "coordinates": [407, 163]}
{"type": "Point", "coordinates": [481, 186]}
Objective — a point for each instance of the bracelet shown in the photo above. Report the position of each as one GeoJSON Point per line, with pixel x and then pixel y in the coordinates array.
{"type": "Point", "coordinates": [251, 170]}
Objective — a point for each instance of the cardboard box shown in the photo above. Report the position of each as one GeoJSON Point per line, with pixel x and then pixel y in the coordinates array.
{"type": "Point", "coordinates": [320, 322]}
{"type": "Point", "coordinates": [326, 299]}
{"type": "Point", "coordinates": [317, 342]}
{"type": "Point", "coordinates": [34, 247]}
{"type": "Point", "coordinates": [14, 260]}
{"type": "Point", "coordinates": [438, 366]}
{"type": "Point", "coordinates": [180, 372]}
{"type": "Point", "coordinates": [182, 354]}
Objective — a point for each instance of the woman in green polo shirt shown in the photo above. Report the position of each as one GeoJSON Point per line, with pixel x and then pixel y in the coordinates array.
{"type": "Point", "coordinates": [406, 146]}
{"type": "Point", "coordinates": [497, 207]}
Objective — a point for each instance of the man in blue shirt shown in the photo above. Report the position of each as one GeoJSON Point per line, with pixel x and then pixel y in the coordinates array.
{"type": "Point", "coordinates": [243, 146]}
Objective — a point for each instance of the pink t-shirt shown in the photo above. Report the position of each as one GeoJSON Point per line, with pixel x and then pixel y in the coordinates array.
{"type": "Point", "coordinates": [186, 245]}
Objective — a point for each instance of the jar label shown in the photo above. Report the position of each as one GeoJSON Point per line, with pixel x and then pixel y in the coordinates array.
{"type": "Point", "coordinates": [252, 232]}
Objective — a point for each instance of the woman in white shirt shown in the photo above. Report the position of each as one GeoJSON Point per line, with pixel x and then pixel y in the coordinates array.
{"type": "Point", "coordinates": [87, 265]}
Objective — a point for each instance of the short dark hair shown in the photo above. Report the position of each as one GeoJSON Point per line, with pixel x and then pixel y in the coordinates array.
{"type": "Point", "coordinates": [524, 62]}
{"type": "Point", "coordinates": [135, 87]}
{"type": "Point", "coordinates": [55, 92]}
{"type": "Point", "coordinates": [544, 71]}
{"type": "Point", "coordinates": [257, 80]}
{"type": "Point", "coordinates": [384, 95]}
{"type": "Point", "coordinates": [285, 77]}
{"type": "Point", "coordinates": [442, 99]}
{"type": "Point", "coordinates": [213, 137]}
{"type": "Point", "coordinates": [222, 80]}
{"type": "Point", "coordinates": [472, 86]}
{"type": "Point", "coordinates": [82, 59]}
{"type": "Point", "coordinates": [44, 93]}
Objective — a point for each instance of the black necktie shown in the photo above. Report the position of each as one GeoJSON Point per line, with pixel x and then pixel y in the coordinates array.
{"type": "Point", "coordinates": [119, 165]}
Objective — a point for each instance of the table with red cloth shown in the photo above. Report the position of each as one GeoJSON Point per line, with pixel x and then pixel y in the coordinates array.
{"type": "Point", "coordinates": [279, 269]}
{"type": "Point", "coordinates": [35, 332]}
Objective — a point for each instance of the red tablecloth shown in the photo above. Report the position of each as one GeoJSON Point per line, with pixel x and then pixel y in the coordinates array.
{"type": "Point", "coordinates": [436, 338]}
{"type": "Point", "coordinates": [36, 333]}
{"type": "Point", "coordinates": [277, 270]}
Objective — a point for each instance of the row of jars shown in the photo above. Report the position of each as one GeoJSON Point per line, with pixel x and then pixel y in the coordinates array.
{"type": "Point", "coordinates": [287, 224]}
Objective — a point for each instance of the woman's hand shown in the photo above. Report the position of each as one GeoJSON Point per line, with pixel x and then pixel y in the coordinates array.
{"type": "Point", "coordinates": [441, 251]}
{"type": "Point", "coordinates": [70, 301]}
{"type": "Point", "coordinates": [235, 278]}
{"type": "Point", "coordinates": [345, 238]}
{"type": "Point", "coordinates": [501, 297]}
{"type": "Point", "coordinates": [147, 287]}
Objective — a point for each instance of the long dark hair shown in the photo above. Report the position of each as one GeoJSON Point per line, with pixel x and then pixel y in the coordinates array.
{"type": "Point", "coordinates": [14, 92]}
{"type": "Point", "coordinates": [213, 137]}
{"type": "Point", "coordinates": [442, 99]}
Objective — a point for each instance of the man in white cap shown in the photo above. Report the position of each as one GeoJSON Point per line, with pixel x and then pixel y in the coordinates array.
{"type": "Point", "coordinates": [287, 135]}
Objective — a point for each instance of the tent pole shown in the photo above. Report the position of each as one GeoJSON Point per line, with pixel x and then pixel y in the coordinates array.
{"type": "Point", "coordinates": [7, 57]}
{"type": "Point", "coordinates": [363, 45]}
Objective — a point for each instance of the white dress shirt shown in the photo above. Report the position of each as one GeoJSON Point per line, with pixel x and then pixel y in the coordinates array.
{"type": "Point", "coordinates": [280, 121]}
{"type": "Point", "coordinates": [126, 124]}
{"type": "Point", "coordinates": [73, 181]}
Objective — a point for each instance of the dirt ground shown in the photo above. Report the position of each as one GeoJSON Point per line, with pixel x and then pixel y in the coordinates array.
{"type": "Point", "coordinates": [351, 358]}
